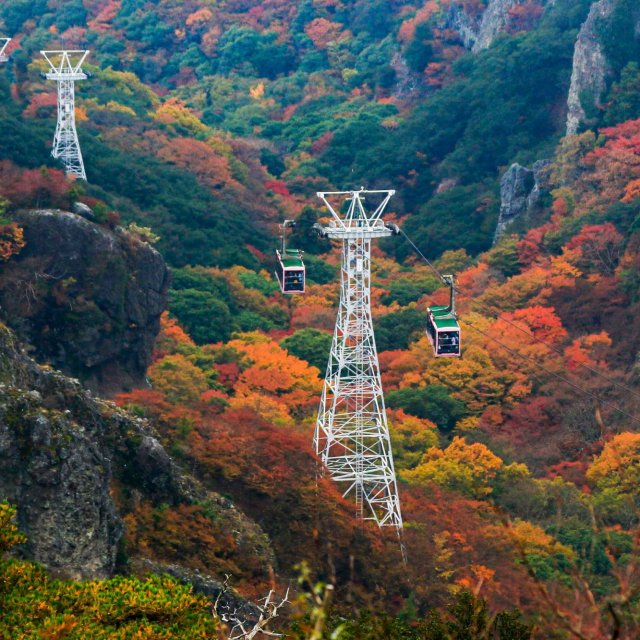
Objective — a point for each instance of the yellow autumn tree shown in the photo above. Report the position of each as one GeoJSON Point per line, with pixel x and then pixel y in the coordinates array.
{"type": "Point", "coordinates": [470, 469]}
{"type": "Point", "coordinates": [410, 437]}
{"type": "Point", "coordinates": [175, 111]}
{"type": "Point", "coordinates": [178, 378]}
{"type": "Point", "coordinates": [617, 468]}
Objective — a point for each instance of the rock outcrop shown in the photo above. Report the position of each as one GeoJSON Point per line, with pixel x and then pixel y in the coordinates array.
{"type": "Point", "coordinates": [479, 30]}
{"type": "Point", "coordinates": [62, 450]}
{"type": "Point", "coordinates": [463, 23]}
{"type": "Point", "coordinates": [88, 299]}
{"type": "Point", "coordinates": [228, 600]}
{"type": "Point", "coordinates": [591, 70]}
{"type": "Point", "coordinates": [520, 192]}
{"type": "Point", "coordinates": [495, 20]}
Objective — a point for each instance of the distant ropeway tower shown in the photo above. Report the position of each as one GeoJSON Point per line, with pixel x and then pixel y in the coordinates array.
{"type": "Point", "coordinates": [66, 69]}
{"type": "Point", "coordinates": [4, 43]}
{"type": "Point", "coordinates": [352, 435]}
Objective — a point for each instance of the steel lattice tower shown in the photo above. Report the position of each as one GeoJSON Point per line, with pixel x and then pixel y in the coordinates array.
{"type": "Point", "coordinates": [4, 43]}
{"type": "Point", "coordinates": [352, 435]}
{"type": "Point", "coordinates": [66, 69]}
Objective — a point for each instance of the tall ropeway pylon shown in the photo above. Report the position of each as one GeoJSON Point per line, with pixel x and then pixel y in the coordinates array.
{"type": "Point", "coordinates": [4, 43]}
{"type": "Point", "coordinates": [66, 69]}
{"type": "Point", "coordinates": [352, 434]}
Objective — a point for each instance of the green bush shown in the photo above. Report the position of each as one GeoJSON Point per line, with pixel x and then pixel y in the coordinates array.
{"type": "Point", "coordinates": [432, 402]}
{"type": "Point", "coordinates": [311, 345]}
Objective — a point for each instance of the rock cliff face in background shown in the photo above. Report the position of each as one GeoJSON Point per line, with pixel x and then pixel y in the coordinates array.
{"type": "Point", "coordinates": [87, 299]}
{"type": "Point", "coordinates": [495, 20]}
{"type": "Point", "coordinates": [61, 450]}
{"type": "Point", "coordinates": [478, 31]}
{"type": "Point", "coordinates": [590, 68]}
{"type": "Point", "coordinates": [461, 21]}
{"type": "Point", "coordinates": [520, 192]}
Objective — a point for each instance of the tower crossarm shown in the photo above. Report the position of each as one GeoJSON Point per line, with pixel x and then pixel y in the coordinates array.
{"type": "Point", "coordinates": [4, 43]}
{"type": "Point", "coordinates": [357, 221]}
{"type": "Point", "coordinates": [65, 64]}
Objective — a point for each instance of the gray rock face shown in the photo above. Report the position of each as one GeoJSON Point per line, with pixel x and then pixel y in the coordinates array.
{"type": "Point", "coordinates": [60, 450]}
{"type": "Point", "coordinates": [520, 192]}
{"type": "Point", "coordinates": [479, 31]}
{"type": "Point", "coordinates": [54, 467]}
{"type": "Point", "coordinates": [495, 21]}
{"type": "Point", "coordinates": [590, 68]}
{"type": "Point", "coordinates": [88, 299]}
{"type": "Point", "coordinates": [407, 81]}
{"type": "Point", "coordinates": [466, 25]}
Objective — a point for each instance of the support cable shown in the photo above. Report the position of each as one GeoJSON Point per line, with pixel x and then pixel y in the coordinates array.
{"type": "Point", "coordinates": [519, 328]}
{"type": "Point", "coordinates": [595, 396]}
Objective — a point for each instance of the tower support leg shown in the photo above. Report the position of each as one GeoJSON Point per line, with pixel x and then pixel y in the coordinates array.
{"type": "Point", "coordinates": [66, 146]}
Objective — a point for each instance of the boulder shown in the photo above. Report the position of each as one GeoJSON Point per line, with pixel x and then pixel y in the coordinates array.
{"type": "Point", "coordinates": [83, 210]}
{"type": "Point", "coordinates": [87, 298]}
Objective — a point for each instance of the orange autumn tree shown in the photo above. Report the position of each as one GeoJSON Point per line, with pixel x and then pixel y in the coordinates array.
{"type": "Point", "coordinates": [475, 379]}
{"type": "Point", "coordinates": [172, 337]}
{"type": "Point", "coordinates": [588, 351]}
{"type": "Point", "coordinates": [175, 111]}
{"type": "Point", "coordinates": [597, 247]}
{"type": "Point", "coordinates": [11, 240]}
{"type": "Point", "coordinates": [525, 334]}
{"type": "Point", "coordinates": [274, 373]}
{"type": "Point", "coordinates": [615, 477]}
{"type": "Point", "coordinates": [322, 32]}
{"type": "Point", "coordinates": [11, 235]}
{"type": "Point", "coordinates": [209, 166]}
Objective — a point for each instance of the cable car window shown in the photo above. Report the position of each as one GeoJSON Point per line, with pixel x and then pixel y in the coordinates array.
{"type": "Point", "coordinates": [294, 280]}
{"type": "Point", "coordinates": [448, 342]}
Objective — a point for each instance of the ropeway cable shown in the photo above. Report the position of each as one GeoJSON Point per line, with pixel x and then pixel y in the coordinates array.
{"type": "Point", "coordinates": [595, 396]}
{"type": "Point", "coordinates": [526, 332]}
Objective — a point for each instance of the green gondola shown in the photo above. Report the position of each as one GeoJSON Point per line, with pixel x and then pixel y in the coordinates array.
{"type": "Point", "coordinates": [443, 329]}
{"type": "Point", "coordinates": [291, 271]}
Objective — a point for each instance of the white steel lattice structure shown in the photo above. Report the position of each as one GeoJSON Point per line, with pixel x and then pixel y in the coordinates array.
{"type": "Point", "coordinates": [4, 43]}
{"type": "Point", "coordinates": [352, 435]}
{"type": "Point", "coordinates": [66, 69]}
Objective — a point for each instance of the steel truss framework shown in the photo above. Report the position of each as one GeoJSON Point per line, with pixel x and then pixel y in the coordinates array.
{"type": "Point", "coordinates": [66, 69]}
{"type": "Point", "coordinates": [4, 43]}
{"type": "Point", "coordinates": [352, 435]}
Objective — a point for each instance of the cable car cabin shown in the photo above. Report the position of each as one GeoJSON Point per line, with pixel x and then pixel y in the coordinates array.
{"type": "Point", "coordinates": [443, 332]}
{"type": "Point", "coordinates": [291, 271]}
{"type": "Point", "coordinates": [443, 329]}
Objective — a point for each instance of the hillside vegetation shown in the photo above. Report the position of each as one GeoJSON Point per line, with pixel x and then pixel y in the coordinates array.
{"type": "Point", "coordinates": [209, 122]}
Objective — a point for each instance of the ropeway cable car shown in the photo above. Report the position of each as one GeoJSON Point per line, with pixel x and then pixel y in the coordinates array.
{"type": "Point", "coordinates": [443, 329]}
{"type": "Point", "coordinates": [290, 271]}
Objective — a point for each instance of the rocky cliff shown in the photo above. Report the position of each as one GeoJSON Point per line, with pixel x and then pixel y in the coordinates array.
{"type": "Point", "coordinates": [479, 29]}
{"type": "Point", "coordinates": [87, 298]}
{"type": "Point", "coordinates": [590, 68]}
{"type": "Point", "coordinates": [520, 191]}
{"type": "Point", "coordinates": [65, 454]}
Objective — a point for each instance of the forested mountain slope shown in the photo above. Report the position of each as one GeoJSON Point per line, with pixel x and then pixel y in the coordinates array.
{"type": "Point", "coordinates": [210, 122]}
